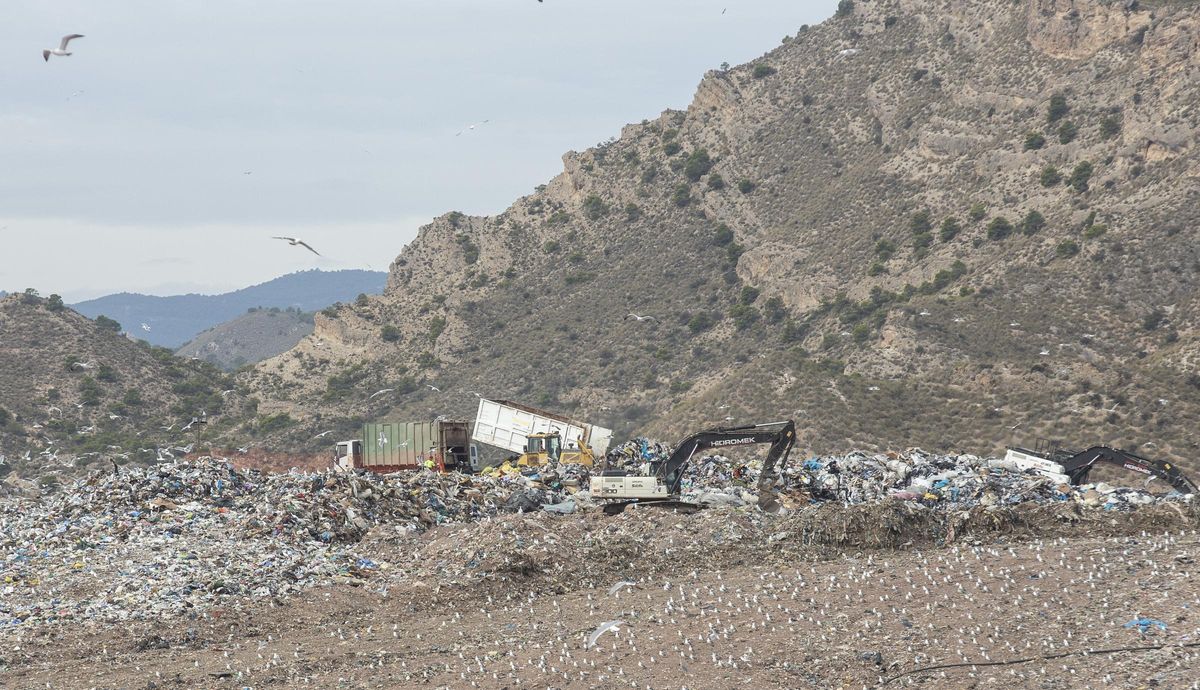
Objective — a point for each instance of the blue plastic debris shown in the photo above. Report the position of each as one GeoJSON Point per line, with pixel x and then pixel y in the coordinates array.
{"type": "Point", "coordinates": [1145, 624]}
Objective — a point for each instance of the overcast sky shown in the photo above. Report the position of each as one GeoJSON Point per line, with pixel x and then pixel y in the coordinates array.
{"type": "Point", "coordinates": [182, 134]}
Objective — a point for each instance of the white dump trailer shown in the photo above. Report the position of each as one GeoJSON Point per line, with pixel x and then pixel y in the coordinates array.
{"type": "Point", "coordinates": [506, 424]}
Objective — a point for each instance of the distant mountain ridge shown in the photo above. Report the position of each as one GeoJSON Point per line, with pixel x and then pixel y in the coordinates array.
{"type": "Point", "coordinates": [250, 337]}
{"type": "Point", "coordinates": [177, 319]}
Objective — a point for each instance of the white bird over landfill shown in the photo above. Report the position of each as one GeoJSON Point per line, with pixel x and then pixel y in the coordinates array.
{"type": "Point", "coordinates": [603, 628]}
{"type": "Point", "coordinates": [617, 587]}
{"type": "Point", "coordinates": [640, 318]}
{"type": "Point", "coordinates": [61, 50]}
{"type": "Point", "coordinates": [380, 392]}
{"type": "Point", "coordinates": [298, 242]}
{"type": "Point", "coordinates": [471, 128]}
{"type": "Point", "coordinates": [433, 388]}
{"type": "Point", "coordinates": [145, 326]}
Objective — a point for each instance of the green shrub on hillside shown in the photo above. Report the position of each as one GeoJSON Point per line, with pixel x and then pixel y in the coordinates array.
{"type": "Point", "coordinates": [1110, 126]}
{"type": "Point", "coordinates": [1080, 176]}
{"type": "Point", "coordinates": [1050, 176]}
{"type": "Point", "coordinates": [745, 186]}
{"type": "Point", "coordinates": [698, 164]}
{"type": "Point", "coordinates": [999, 228]}
{"type": "Point", "coordinates": [1058, 108]}
{"type": "Point", "coordinates": [1066, 249]}
{"type": "Point", "coordinates": [699, 323]}
{"type": "Point", "coordinates": [949, 229]}
{"type": "Point", "coordinates": [723, 235]}
{"type": "Point", "coordinates": [977, 212]}
{"type": "Point", "coordinates": [920, 222]}
{"type": "Point", "coordinates": [1034, 141]}
{"type": "Point", "coordinates": [762, 70]}
{"type": "Point", "coordinates": [594, 207]}
{"type": "Point", "coordinates": [682, 196]}
{"type": "Point", "coordinates": [1067, 132]}
{"type": "Point", "coordinates": [1032, 223]}
{"type": "Point", "coordinates": [108, 324]}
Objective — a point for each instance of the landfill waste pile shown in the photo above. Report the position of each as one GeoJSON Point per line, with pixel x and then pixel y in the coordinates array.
{"type": "Point", "coordinates": [187, 536]}
{"type": "Point", "coordinates": [182, 535]}
{"type": "Point", "coordinates": [947, 482]}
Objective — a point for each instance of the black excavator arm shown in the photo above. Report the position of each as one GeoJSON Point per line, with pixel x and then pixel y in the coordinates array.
{"type": "Point", "coordinates": [1078, 465]}
{"type": "Point", "coordinates": [781, 436]}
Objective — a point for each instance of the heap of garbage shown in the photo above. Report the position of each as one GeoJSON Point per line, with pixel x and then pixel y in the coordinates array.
{"type": "Point", "coordinates": [951, 482]}
{"type": "Point", "coordinates": [139, 543]}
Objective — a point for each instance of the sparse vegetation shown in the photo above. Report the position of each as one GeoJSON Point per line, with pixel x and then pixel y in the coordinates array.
{"type": "Point", "coordinates": [1067, 132]}
{"type": "Point", "coordinates": [745, 186]}
{"type": "Point", "coordinates": [682, 196]}
{"type": "Point", "coordinates": [1080, 176]}
{"type": "Point", "coordinates": [1058, 108]}
{"type": "Point", "coordinates": [1034, 141]}
{"type": "Point", "coordinates": [949, 229]}
{"type": "Point", "coordinates": [594, 207]}
{"type": "Point", "coordinates": [723, 235]}
{"type": "Point", "coordinates": [1032, 223]}
{"type": "Point", "coordinates": [977, 212]}
{"type": "Point", "coordinates": [390, 334]}
{"type": "Point", "coordinates": [107, 324]}
{"type": "Point", "coordinates": [436, 326]}
{"type": "Point", "coordinates": [698, 164]}
{"type": "Point", "coordinates": [1050, 176]}
{"type": "Point", "coordinates": [1066, 249]}
{"type": "Point", "coordinates": [716, 182]}
{"type": "Point", "coordinates": [699, 323]}
{"type": "Point", "coordinates": [1110, 126]}
{"type": "Point", "coordinates": [999, 228]}
{"type": "Point", "coordinates": [762, 70]}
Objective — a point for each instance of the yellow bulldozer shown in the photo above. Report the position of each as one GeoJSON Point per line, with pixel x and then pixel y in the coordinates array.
{"type": "Point", "coordinates": [541, 449]}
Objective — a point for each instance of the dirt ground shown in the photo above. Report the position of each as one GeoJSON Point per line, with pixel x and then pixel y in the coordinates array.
{"type": "Point", "coordinates": [707, 608]}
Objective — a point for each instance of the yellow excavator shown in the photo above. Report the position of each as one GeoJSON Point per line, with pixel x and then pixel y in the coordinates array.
{"type": "Point", "coordinates": [544, 448]}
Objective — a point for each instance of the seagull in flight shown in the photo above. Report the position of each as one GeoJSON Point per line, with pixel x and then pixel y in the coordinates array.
{"type": "Point", "coordinates": [380, 392]}
{"type": "Point", "coordinates": [924, 313]}
{"type": "Point", "coordinates": [471, 128]}
{"type": "Point", "coordinates": [145, 327]}
{"type": "Point", "coordinates": [433, 388]}
{"type": "Point", "coordinates": [297, 242]}
{"type": "Point", "coordinates": [323, 433]}
{"type": "Point", "coordinates": [61, 50]}
{"type": "Point", "coordinates": [603, 628]}
{"type": "Point", "coordinates": [640, 318]}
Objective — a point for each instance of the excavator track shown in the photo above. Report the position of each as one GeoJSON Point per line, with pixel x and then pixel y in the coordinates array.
{"type": "Point", "coordinates": [684, 507]}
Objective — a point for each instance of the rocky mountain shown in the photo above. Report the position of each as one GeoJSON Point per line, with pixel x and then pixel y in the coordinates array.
{"type": "Point", "coordinates": [173, 321]}
{"type": "Point", "coordinates": [948, 224]}
{"type": "Point", "coordinates": [75, 394]}
{"type": "Point", "coordinates": [251, 337]}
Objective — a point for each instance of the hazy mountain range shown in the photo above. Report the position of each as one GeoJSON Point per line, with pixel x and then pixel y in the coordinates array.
{"type": "Point", "coordinates": [173, 321]}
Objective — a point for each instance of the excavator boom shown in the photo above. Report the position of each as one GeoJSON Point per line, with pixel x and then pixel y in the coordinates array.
{"type": "Point", "coordinates": [664, 484]}
{"type": "Point", "coordinates": [1078, 466]}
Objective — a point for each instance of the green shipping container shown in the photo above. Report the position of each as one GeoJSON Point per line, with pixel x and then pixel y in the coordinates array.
{"type": "Point", "coordinates": [392, 447]}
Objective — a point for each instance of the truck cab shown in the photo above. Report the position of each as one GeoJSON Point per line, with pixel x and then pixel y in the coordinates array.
{"type": "Point", "coordinates": [348, 454]}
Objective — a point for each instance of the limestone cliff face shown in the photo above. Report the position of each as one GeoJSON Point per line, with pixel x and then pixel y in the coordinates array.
{"type": "Point", "coordinates": [1078, 29]}
{"type": "Point", "coordinates": [878, 228]}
